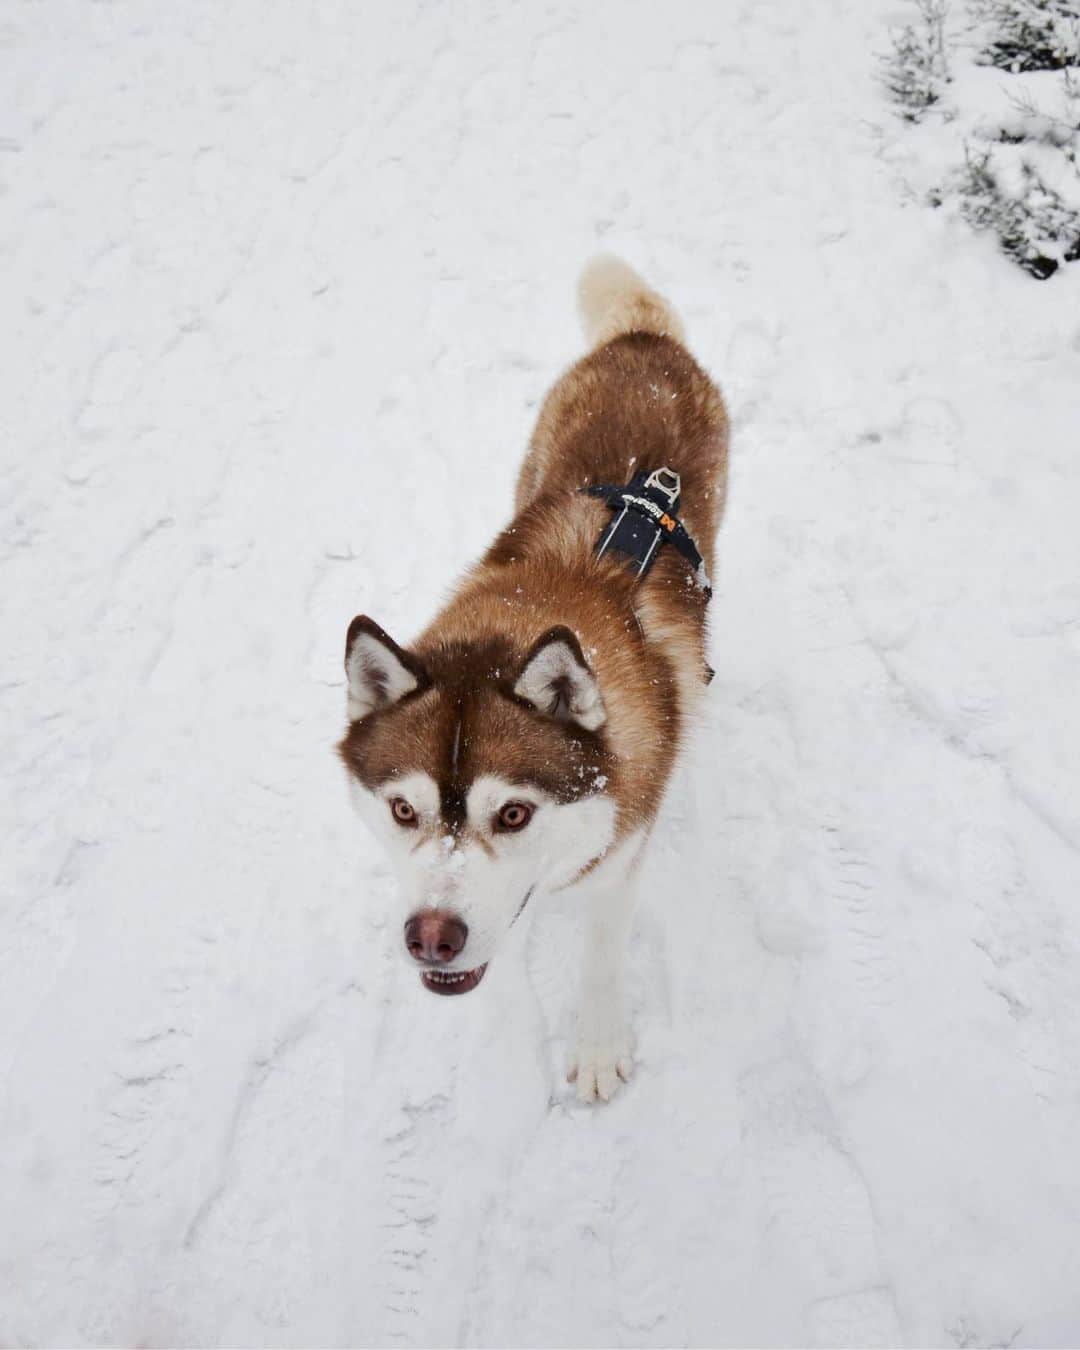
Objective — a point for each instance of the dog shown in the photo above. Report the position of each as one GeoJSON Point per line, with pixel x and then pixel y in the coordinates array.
{"type": "Point", "coordinates": [522, 744]}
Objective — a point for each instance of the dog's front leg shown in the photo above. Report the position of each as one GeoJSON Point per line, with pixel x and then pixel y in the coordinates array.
{"type": "Point", "coordinates": [603, 1051]}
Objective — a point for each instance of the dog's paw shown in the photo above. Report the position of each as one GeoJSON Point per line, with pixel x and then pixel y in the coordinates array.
{"type": "Point", "coordinates": [598, 1067]}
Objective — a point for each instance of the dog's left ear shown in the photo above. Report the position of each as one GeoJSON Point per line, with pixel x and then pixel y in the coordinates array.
{"type": "Point", "coordinates": [378, 670]}
{"type": "Point", "coordinates": [556, 680]}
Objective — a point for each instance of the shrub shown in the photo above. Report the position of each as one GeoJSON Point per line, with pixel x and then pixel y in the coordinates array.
{"type": "Point", "coordinates": [1020, 175]}
{"type": "Point", "coordinates": [916, 68]}
{"type": "Point", "coordinates": [1031, 219]}
{"type": "Point", "coordinates": [1030, 34]}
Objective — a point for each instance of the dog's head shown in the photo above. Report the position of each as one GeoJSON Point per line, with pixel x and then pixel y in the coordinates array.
{"type": "Point", "coordinates": [486, 774]}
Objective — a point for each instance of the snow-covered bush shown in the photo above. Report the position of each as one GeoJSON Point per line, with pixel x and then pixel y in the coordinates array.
{"type": "Point", "coordinates": [1038, 227]}
{"type": "Point", "coordinates": [916, 70]}
{"type": "Point", "coordinates": [1018, 168]}
{"type": "Point", "coordinates": [1030, 34]}
{"type": "Point", "coordinates": [1029, 122]}
{"type": "Point", "coordinates": [1023, 182]}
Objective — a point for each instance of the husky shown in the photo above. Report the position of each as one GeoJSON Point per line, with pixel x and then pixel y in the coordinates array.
{"type": "Point", "coordinates": [522, 744]}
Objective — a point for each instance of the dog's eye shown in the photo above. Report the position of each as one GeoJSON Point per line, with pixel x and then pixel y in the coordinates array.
{"type": "Point", "coordinates": [513, 816]}
{"type": "Point", "coordinates": [404, 812]}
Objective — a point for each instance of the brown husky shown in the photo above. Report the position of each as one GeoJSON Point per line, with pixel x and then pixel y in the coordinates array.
{"type": "Point", "coordinates": [523, 742]}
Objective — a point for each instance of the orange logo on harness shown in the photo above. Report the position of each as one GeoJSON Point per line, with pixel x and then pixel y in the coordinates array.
{"type": "Point", "coordinates": [667, 523]}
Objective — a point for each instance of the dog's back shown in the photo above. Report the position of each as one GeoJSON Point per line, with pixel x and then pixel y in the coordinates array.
{"type": "Point", "coordinates": [638, 400]}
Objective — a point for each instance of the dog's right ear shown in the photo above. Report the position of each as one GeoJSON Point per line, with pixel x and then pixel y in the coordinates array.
{"type": "Point", "coordinates": [378, 670]}
{"type": "Point", "coordinates": [556, 679]}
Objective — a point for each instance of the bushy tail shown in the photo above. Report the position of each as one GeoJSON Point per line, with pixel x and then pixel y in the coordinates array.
{"type": "Point", "coordinates": [614, 300]}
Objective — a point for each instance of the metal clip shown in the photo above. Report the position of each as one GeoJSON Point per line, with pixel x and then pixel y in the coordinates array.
{"type": "Point", "coordinates": [671, 488]}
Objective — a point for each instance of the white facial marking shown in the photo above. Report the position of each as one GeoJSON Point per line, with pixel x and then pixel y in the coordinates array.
{"type": "Point", "coordinates": [418, 789]}
{"type": "Point", "coordinates": [485, 875]}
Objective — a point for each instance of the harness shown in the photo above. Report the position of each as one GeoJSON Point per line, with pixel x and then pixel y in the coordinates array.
{"type": "Point", "coordinates": [646, 520]}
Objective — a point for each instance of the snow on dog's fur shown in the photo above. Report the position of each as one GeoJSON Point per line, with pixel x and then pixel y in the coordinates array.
{"type": "Point", "coordinates": [522, 744]}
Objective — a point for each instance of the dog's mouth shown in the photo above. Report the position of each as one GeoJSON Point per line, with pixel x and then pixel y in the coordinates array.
{"type": "Point", "coordinates": [452, 981]}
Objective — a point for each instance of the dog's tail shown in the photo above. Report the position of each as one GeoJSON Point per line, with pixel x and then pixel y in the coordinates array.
{"type": "Point", "coordinates": [614, 300]}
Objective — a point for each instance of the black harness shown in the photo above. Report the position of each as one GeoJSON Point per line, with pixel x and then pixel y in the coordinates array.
{"type": "Point", "coordinates": [646, 520]}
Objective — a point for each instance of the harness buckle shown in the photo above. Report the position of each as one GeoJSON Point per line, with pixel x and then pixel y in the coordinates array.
{"type": "Point", "coordinates": [668, 482]}
{"type": "Point", "coordinates": [641, 524]}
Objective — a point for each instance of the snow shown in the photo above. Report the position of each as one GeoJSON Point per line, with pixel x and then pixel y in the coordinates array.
{"type": "Point", "coordinates": [283, 288]}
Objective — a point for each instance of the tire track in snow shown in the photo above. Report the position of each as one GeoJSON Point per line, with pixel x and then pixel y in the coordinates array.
{"type": "Point", "coordinates": [854, 961]}
{"type": "Point", "coordinates": [411, 1205]}
{"type": "Point", "coordinates": [819, 1226]}
{"type": "Point", "coordinates": [272, 1207]}
{"type": "Point", "coordinates": [1028, 949]}
{"type": "Point", "coordinates": [152, 1070]}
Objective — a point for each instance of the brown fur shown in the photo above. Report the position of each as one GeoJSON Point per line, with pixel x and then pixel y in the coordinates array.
{"type": "Point", "coordinates": [638, 401]}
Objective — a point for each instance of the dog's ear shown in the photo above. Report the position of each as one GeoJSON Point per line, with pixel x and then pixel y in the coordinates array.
{"type": "Point", "coordinates": [556, 680]}
{"type": "Point", "coordinates": [378, 670]}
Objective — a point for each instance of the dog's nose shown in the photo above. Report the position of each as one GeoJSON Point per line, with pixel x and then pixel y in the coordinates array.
{"type": "Point", "coordinates": [435, 936]}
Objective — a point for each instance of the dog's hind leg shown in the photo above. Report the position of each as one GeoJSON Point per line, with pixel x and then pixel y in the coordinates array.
{"type": "Point", "coordinates": [603, 1050]}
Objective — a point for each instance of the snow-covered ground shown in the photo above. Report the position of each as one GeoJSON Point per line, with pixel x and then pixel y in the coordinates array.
{"type": "Point", "coordinates": [282, 287]}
